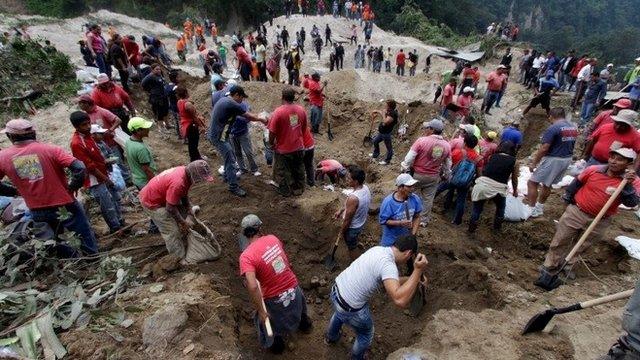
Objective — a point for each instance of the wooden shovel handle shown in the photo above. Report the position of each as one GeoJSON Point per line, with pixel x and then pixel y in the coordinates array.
{"type": "Point", "coordinates": [267, 322]}
{"type": "Point", "coordinates": [338, 240]}
{"type": "Point", "coordinates": [373, 119]}
{"type": "Point", "coordinates": [595, 221]}
{"type": "Point", "coordinates": [606, 299]}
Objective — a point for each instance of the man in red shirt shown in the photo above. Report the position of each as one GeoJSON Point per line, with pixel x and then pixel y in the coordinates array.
{"type": "Point", "coordinates": [605, 116]}
{"type": "Point", "coordinates": [465, 101]}
{"type": "Point", "coordinates": [496, 81]}
{"type": "Point", "coordinates": [97, 180]}
{"type": "Point", "coordinates": [112, 97]}
{"type": "Point", "coordinates": [586, 195]}
{"type": "Point", "coordinates": [447, 95]}
{"type": "Point", "coordinates": [38, 172]}
{"type": "Point", "coordinates": [286, 127]}
{"type": "Point", "coordinates": [165, 199]}
{"type": "Point", "coordinates": [269, 278]}
{"type": "Point", "coordinates": [316, 99]}
{"type": "Point", "coordinates": [400, 61]}
{"type": "Point", "coordinates": [620, 133]}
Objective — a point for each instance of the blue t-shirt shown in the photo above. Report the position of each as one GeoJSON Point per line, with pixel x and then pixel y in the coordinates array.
{"type": "Point", "coordinates": [634, 94]}
{"type": "Point", "coordinates": [512, 134]}
{"type": "Point", "coordinates": [217, 96]}
{"type": "Point", "coordinates": [546, 85]}
{"type": "Point", "coordinates": [562, 139]}
{"type": "Point", "coordinates": [241, 125]}
{"type": "Point", "coordinates": [392, 209]}
{"type": "Point", "coordinates": [222, 117]}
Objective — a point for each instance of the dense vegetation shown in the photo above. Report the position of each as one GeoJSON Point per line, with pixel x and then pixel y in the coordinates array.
{"type": "Point", "coordinates": [607, 29]}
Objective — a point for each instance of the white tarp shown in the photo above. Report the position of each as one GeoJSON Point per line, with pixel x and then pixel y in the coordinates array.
{"type": "Point", "coordinates": [632, 245]}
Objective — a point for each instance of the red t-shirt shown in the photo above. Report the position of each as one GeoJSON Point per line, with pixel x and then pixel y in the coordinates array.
{"type": "Point", "coordinates": [168, 187]}
{"type": "Point", "coordinates": [447, 94]}
{"type": "Point", "coordinates": [456, 157]}
{"type": "Point", "coordinates": [186, 118]}
{"type": "Point", "coordinates": [267, 259]}
{"type": "Point", "coordinates": [37, 171]}
{"type": "Point", "coordinates": [330, 166]}
{"type": "Point", "coordinates": [116, 98]}
{"type": "Point", "coordinates": [307, 139]}
{"type": "Point", "coordinates": [84, 148]}
{"type": "Point", "coordinates": [597, 189]}
{"type": "Point", "coordinates": [400, 58]}
{"type": "Point", "coordinates": [242, 55]}
{"type": "Point", "coordinates": [431, 152]}
{"type": "Point", "coordinates": [605, 138]}
{"type": "Point", "coordinates": [315, 92]}
{"type": "Point", "coordinates": [468, 73]}
{"type": "Point", "coordinates": [287, 123]}
{"type": "Point", "coordinates": [464, 102]}
{"type": "Point", "coordinates": [487, 148]}
{"type": "Point", "coordinates": [495, 81]}
{"type": "Point", "coordinates": [603, 118]}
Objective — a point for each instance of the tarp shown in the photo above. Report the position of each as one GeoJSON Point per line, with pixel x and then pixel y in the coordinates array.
{"type": "Point", "coordinates": [470, 56]}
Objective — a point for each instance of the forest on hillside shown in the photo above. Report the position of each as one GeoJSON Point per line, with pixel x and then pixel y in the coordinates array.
{"type": "Point", "coordinates": [606, 29]}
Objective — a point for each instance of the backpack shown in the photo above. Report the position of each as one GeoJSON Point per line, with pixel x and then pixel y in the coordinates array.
{"type": "Point", "coordinates": [464, 172]}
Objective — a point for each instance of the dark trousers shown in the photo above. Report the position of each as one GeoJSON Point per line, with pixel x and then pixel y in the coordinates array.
{"type": "Point", "coordinates": [245, 72]}
{"type": "Point", "coordinates": [478, 207]}
{"type": "Point", "coordinates": [339, 62]}
{"type": "Point", "coordinates": [294, 77]}
{"type": "Point", "coordinates": [193, 138]}
{"type": "Point", "coordinates": [387, 143]}
{"type": "Point", "coordinates": [460, 199]}
{"type": "Point", "coordinates": [400, 70]}
{"type": "Point", "coordinates": [262, 68]}
{"type": "Point", "coordinates": [124, 79]}
{"type": "Point", "coordinates": [76, 222]}
{"type": "Point", "coordinates": [309, 169]}
{"type": "Point", "coordinates": [288, 172]}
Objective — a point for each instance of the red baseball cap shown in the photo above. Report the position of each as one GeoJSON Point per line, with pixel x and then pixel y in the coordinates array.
{"type": "Point", "coordinates": [623, 103]}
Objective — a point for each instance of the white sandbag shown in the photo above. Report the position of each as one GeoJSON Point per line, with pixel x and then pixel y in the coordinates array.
{"type": "Point", "coordinates": [84, 76]}
{"type": "Point", "coordinates": [116, 178]}
{"type": "Point", "coordinates": [632, 245]}
{"type": "Point", "coordinates": [515, 210]}
{"type": "Point", "coordinates": [576, 168]}
{"type": "Point", "coordinates": [523, 178]}
{"type": "Point", "coordinates": [120, 137]}
{"type": "Point", "coordinates": [566, 180]}
{"type": "Point", "coordinates": [201, 247]}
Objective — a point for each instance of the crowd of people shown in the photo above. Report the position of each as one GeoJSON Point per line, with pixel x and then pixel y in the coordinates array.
{"type": "Point", "coordinates": [476, 163]}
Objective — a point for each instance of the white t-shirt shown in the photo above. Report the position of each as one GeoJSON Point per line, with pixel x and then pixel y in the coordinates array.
{"type": "Point", "coordinates": [261, 53]}
{"type": "Point", "coordinates": [539, 62]}
{"type": "Point", "coordinates": [361, 279]}
{"type": "Point", "coordinates": [364, 199]}
{"type": "Point", "coordinates": [584, 73]}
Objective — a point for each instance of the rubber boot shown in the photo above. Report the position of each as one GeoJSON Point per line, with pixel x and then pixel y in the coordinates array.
{"type": "Point", "coordinates": [547, 280]}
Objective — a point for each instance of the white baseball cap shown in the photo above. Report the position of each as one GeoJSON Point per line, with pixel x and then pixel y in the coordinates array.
{"type": "Point", "coordinates": [468, 89]}
{"type": "Point", "coordinates": [405, 180]}
{"type": "Point", "coordinates": [625, 152]}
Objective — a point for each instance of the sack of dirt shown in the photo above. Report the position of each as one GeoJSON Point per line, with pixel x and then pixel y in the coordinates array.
{"type": "Point", "coordinates": [515, 210]}
{"type": "Point", "coordinates": [201, 245]}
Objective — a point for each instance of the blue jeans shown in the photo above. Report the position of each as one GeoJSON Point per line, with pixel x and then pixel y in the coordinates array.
{"type": "Point", "coordinates": [225, 150]}
{"type": "Point", "coordinates": [499, 98]}
{"type": "Point", "coordinates": [242, 144]}
{"type": "Point", "coordinates": [109, 201]}
{"type": "Point", "coordinates": [268, 152]}
{"type": "Point", "coordinates": [586, 112]}
{"type": "Point", "coordinates": [490, 99]}
{"type": "Point", "coordinates": [478, 207]}
{"type": "Point", "coordinates": [102, 64]}
{"type": "Point", "coordinates": [77, 222]}
{"type": "Point", "coordinates": [387, 143]}
{"type": "Point", "coordinates": [460, 199]}
{"type": "Point", "coordinates": [360, 321]}
{"type": "Point", "coordinates": [316, 118]}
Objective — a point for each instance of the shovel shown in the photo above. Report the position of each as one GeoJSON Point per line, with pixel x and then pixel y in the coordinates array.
{"type": "Point", "coordinates": [368, 140]}
{"type": "Point", "coordinates": [552, 281]}
{"type": "Point", "coordinates": [539, 321]}
{"type": "Point", "coordinates": [329, 133]}
{"type": "Point", "coordinates": [329, 261]}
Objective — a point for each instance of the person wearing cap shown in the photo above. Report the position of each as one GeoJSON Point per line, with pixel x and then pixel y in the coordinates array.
{"type": "Point", "coordinates": [496, 81]}
{"type": "Point", "coordinates": [463, 129]}
{"type": "Point", "coordinates": [223, 115]}
{"type": "Point", "coordinates": [551, 160]}
{"type": "Point", "coordinates": [498, 169]}
{"type": "Point", "coordinates": [37, 171]}
{"type": "Point", "coordinates": [332, 169]}
{"type": "Point", "coordinates": [98, 133]}
{"type": "Point", "coordinates": [139, 155]}
{"type": "Point", "coordinates": [512, 133]}
{"type": "Point", "coordinates": [355, 211]}
{"type": "Point", "coordinates": [429, 160]}
{"type": "Point", "coordinates": [220, 88]}
{"type": "Point", "coordinates": [191, 123]}
{"type": "Point", "coordinates": [112, 97]}
{"type": "Point", "coordinates": [355, 286]}
{"type": "Point", "coordinates": [606, 116]}
{"type": "Point", "coordinates": [97, 180]}
{"type": "Point", "coordinates": [165, 199]}
{"type": "Point", "coordinates": [621, 133]}
{"type": "Point", "coordinates": [596, 90]}
{"type": "Point", "coordinates": [488, 145]}
{"type": "Point", "coordinates": [586, 196]}
{"type": "Point", "coordinates": [468, 152]}
{"type": "Point", "coordinates": [400, 211]}
{"type": "Point", "coordinates": [287, 126]}
{"type": "Point", "coordinates": [268, 277]}
{"type": "Point", "coordinates": [467, 77]}
{"type": "Point", "coordinates": [316, 99]}
{"type": "Point", "coordinates": [547, 87]}
{"type": "Point", "coordinates": [244, 61]}
{"type": "Point", "coordinates": [464, 102]}
{"type": "Point", "coordinates": [605, 74]}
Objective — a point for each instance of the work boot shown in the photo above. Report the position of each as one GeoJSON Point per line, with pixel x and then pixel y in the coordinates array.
{"type": "Point", "coordinates": [238, 192]}
{"type": "Point", "coordinates": [620, 351]}
{"type": "Point", "coordinates": [547, 280]}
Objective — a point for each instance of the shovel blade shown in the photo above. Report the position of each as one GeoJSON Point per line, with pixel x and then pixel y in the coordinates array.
{"type": "Point", "coordinates": [330, 262]}
{"type": "Point", "coordinates": [538, 322]}
{"type": "Point", "coordinates": [367, 141]}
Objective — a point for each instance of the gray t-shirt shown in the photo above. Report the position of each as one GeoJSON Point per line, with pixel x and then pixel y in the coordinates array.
{"type": "Point", "coordinates": [364, 199]}
{"type": "Point", "coordinates": [361, 279]}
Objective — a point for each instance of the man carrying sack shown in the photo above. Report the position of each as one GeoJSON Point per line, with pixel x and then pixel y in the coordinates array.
{"type": "Point", "coordinates": [586, 196]}
{"type": "Point", "coordinates": [165, 199]}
